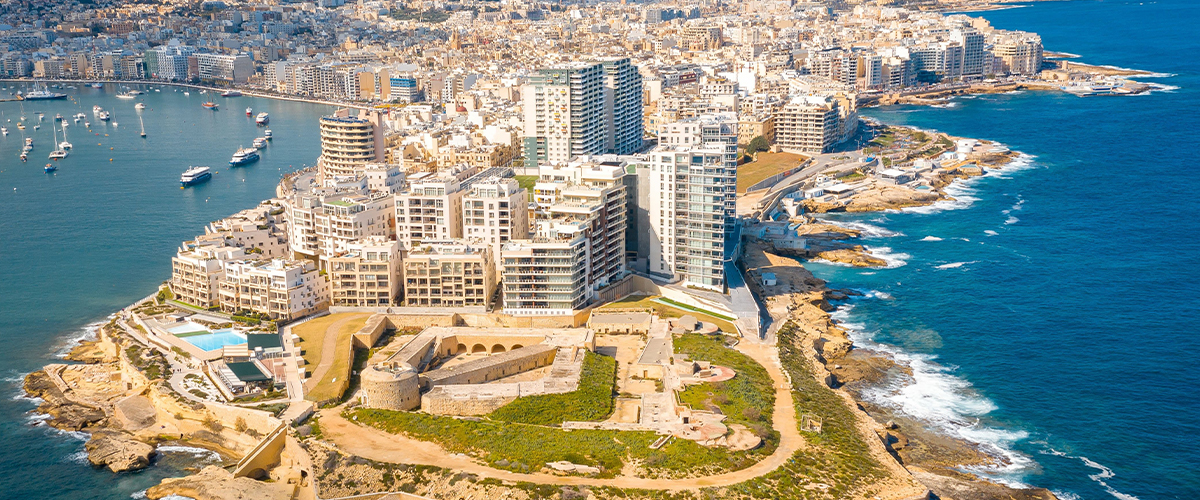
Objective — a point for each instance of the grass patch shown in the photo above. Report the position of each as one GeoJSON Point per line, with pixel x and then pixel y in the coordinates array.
{"type": "Point", "coordinates": [527, 182]}
{"type": "Point", "coordinates": [675, 310]}
{"type": "Point", "coordinates": [768, 164]}
{"type": "Point", "coordinates": [837, 456]}
{"type": "Point", "coordinates": [747, 398]}
{"type": "Point", "coordinates": [527, 448]}
{"type": "Point", "coordinates": [592, 402]}
{"type": "Point", "coordinates": [312, 341]}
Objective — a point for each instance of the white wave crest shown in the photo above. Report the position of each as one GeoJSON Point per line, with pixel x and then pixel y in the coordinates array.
{"type": "Point", "coordinates": [947, 105]}
{"type": "Point", "coordinates": [1011, 220]}
{"type": "Point", "coordinates": [989, 232]}
{"type": "Point", "coordinates": [88, 332]}
{"type": "Point", "coordinates": [191, 450]}
{"type": "Point", "coordinates": [955, 265]}
{"type": "Point", "coordinates": [1065, 495]}
{"type": "Point", "coordinates": [874, 294]}
{"type": "Point", "coordinates": [893, 259]}
{"type": "Point", "coordinates": [961, 198]}
{"type": "Point", "coordinates": [867, 230]}
{"type": "Point", "coordinates": [138, 494]}
{"type": "Point", "coordinates": [931, 238]}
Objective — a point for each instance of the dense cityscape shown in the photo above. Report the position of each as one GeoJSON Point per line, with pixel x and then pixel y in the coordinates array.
{"type": "Point", "coordinates": [581, 224]}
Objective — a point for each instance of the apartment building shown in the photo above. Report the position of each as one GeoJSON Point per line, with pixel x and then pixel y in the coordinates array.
{"type": "Point", "coordinates": [542, 276]}
{"type": "Point", "coordinates": [495, 211]}
{"type": "Point", "coordinates": [281, 289]}
{"type": "Point", "coordinates": [349, 143]}
{"type": "Point", "coordinates": [1017, 52]}
{"type": "Point", "coordinates": [224, 68]}
{"type": "Point", "coordinates": [367, 274]}
{"type": "Point", "coordinates": [430, 209]}
{"type": "Point", "coordinates": [808, 124]}
{"type": "Point", "coordinates": [321, 226]}
{"type": "Point", "coordinates": [197, 270]}
{"type": "Point", "coordinates": [448, 274]}
{"type": "Point", "coordinates": [589, 193]}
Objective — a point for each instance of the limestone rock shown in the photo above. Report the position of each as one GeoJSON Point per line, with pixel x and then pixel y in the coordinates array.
{"type": "Point", "coordinates": [64, 414]}
{"type": "Point", "coordinates": [888, 197]}
{"type": "Point", "coordinates": [818, 207]}
{"type": "Point", "coordinates": [830, 231]}
{"type": "Point", "coordinates": [215, 483]}
{"type": "Point", "coordinates": [135, 412]}
{"type": "Point", "coordinates": [855, 256]}
{"type": "Point", "coordinates": [118, 452]}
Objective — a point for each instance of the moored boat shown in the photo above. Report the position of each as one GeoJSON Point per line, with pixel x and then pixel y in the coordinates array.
{"type": "Point", "coordinates": [267, 134]}
{"type": "Point", "coordinates": [262, 118]}
{"type": "Point", "coordinates": [194, 175]}
{"type": "Point", "coordinates": [260, 142]}
{"type": "Point", "coordinates": [231, 93]}
{"type": "Point", "coordinates": [244, 156]}
{"type": "Point", "coordinates": [210, 105]}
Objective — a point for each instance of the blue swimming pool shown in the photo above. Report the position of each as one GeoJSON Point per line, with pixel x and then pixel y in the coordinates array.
{"type": "Point", "coordinates": [216, 340]}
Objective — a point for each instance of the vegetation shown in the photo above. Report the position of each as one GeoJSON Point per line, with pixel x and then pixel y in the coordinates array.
{"type": "Point", "coordinates": [592, 402]}
{"type": "Point", "coordinates": [747, 398]}
{"type": "Point", "coordinates": [312, 341]}
{"type": "Point", "coordinates": [837, 456]}
{"type": "Point", "coordinates": [527, 182]}
{"type": "Point", "coordinates": [526, 448]}
{"type": "Point", "coordinates": [758, 143]}
{"type": "Point", "coordinates": [766, 165]}
{"type": "Point", "coordinates": [676, 310]}
{"type": "Point", "coordinates": [430, 16]}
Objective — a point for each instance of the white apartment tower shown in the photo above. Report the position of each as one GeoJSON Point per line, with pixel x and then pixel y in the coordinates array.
{"type": "Point", "coordinates": [582, 108]}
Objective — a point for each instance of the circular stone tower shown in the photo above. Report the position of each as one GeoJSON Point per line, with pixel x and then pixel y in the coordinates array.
{"type": "Point", "coordinates": [390, 385]}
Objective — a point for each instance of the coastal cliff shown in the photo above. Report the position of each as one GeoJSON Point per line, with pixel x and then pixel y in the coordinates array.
{"type": "Point", "coordinates": [804, 301]}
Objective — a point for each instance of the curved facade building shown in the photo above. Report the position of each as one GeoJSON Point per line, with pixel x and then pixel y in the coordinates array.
{"type": "Point", "coordinates": [347, 145]}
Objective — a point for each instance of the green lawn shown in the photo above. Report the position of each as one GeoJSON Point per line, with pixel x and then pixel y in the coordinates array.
{"type": "Point", "coordinates": [768, 164]}
{"type": "Point", "coordinates": [592, 402]}
{"type": "Point", "coordinates": [666, 311]}
{"type": "Point", "coordinates": [747, 398]}
{"type": "Point", "coordinates": [312, 341]}
{"type": "Point", "coordinates": [527, 182]}
{"type": "Point", "coordinates": [527, 448]}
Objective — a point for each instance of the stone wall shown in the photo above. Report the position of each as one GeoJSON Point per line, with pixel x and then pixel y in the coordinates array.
{"type": "Point", "coordinates": [492, 367]}
{"type": "Point", "coordinates": [439, 402]}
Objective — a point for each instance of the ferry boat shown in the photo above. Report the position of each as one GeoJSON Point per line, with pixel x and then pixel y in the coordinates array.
{"type": "Point", "coordinates": [262, 118]}
{"type": "Point", "coordinates": [104, 116]}
{"type": "Point", "coordinates": [260, 142]}
{"type": "Point", "coordinates": [194, 175]}
{"type": "Point", "coordinates": [231, 93]}
{"type": "Point", "coordinates": [49, 168]}
{"type": "Point", "coordinates": [140, 105]}
{"type": "Point", "coordinates": [42, 95]}
{"type": "Point", "coordinates": [249, 112]}
{"type": "Point", "coordinates": [210, 105]}
{"type": "Point", "coordinates": [267, 134]}
{"type": "Point", "coordinates": [244, 156]}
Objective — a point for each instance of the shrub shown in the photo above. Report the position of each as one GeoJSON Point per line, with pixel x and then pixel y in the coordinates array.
{"type": "Point", "coordinates": [593, 401]}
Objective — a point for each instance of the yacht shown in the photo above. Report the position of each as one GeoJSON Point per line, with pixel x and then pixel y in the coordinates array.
{"type": "Point", "coordinates": [29, 143]}
{"type": "Point", "coordinates": [210, 105]}
{"type": "Point", "coordinates": [135, 92]}
{"type": "Point", "coordinates": [58, 154]}
{"type": "Point", "coordinates": [20, 126]}
{"type": "Point", "coordinates": [231, 93]}
{"type": "Point", "coordinates": [262, 118]}
{"type": "Point", "coordinates": [194, 175]}
{"type": "Point", "coordinates": [4, 130]}
{"type": "Point", "coordinates": [249, 112]}
{"type": "Point", "coordinates": [96, 109]}
{"type": "Point", "coordinates": [244, 156]}
{"type": "Point", "coordinates": [260, 142]}
{"type": "Point", "coordinates": [58, 117]}
{"type": "Point", "coordinates": [125, 96]}
{"type": "Point", "coordinates": [140, 105]}
{"type": "Point", "coordinates": [97, 85]}
{"type": "Point", "coordinates": [41, 95]}
{"type": "Point", "coordinates": [24, 156]}
{"type": "Point", "coordinates": [186, 93]}
{"type": "Point", "coordinates": [49, 168]}
{"type": "Point", "coordinates": [104, 116]}
{"type": "Point", "coordinates": [267, 134]}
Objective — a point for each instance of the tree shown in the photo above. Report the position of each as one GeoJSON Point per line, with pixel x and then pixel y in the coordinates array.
{"type": "Point", "coordinates": [757, 144]}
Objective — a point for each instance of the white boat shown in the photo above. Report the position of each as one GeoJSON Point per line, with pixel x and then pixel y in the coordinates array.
{"type": "Point", "coordinates": [104, 116]}
{"type": "Point", "coordinates": [262, 118]}
{"type": "Point", "coordinates": [96, 109]}
{"type": "Point", "coordinates": [4, 130]}
{"type": "Point", "coordinates": [140, 105]}
{"type": "Point", "coordinates": [244, 156]}
{"type": "Point", "coordinates": [260, 142]}
{"type": "Point", "coordinates": [249, 112]}
{"type": "Point", "coordinates": [35, 127]}
{"type": "Point", "coordinates": [59, 153]}
{"type": "Point", "coordinates": [267, 134]}
{"type": "Point", "coordinates": [125, 96]}
{"type": "Point", "coordinates": [195, 175]}
{"type": "Point", "coordinates": [135, 92]}
{"type": "Point", "coordinates": [186, 93]}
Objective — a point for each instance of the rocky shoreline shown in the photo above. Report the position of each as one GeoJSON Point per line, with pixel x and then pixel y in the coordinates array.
{"type": "Point", "coordinates": [932, 458]}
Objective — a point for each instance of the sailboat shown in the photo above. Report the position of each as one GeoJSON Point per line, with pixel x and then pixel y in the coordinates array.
{"type": "Point", "coordinates": [64, 144]}
{"type": "Point", "coordinates": [143, 125]}
{"type": "Point", "coordinates": [60, 152]}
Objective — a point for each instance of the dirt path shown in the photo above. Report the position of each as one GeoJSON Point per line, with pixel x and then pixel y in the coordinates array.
{"type": "Point", "coordinates": [374, 444]}
{"type": "Point", "coordinates": [328, 351]}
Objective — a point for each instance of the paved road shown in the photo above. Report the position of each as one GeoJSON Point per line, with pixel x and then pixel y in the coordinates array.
{"type": "Point", "coordinates": [374, 444]}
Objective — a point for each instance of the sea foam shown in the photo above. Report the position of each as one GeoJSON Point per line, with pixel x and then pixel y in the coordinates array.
{"type": "Point", "coordinates": [931, 238]}
{"type": "Point", "coordinates": [955, 265]}
{"type": "Point", "coordinates": [893, 259]}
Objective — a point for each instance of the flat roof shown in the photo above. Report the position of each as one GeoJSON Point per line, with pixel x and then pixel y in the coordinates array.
{"type": "Point", "coordinates": [263, 340]}
{"type": "Point", "coordinates": [247, 371]}
{"type": "Point", "coordinates": [656, 352]}
{"type": "Point", "coordinates": [621, 318]}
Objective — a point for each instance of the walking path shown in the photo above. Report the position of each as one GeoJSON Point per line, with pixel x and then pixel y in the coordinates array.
{"type": "Point", "coordinates": [374, 444]}
{"type": "Point", "coordinates": [328, 351]}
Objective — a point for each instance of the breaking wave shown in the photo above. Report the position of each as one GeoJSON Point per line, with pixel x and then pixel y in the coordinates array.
{"type": "Point", "coordinates": [955, 265]}
{"type": "Point", "coordinates": [931, 238]}
{"type": "Point", "coordinates": [893, 259]}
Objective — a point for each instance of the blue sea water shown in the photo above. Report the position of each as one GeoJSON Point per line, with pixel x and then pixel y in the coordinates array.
{"type": "Point", "coordinates": [97, 235]}
{"type": "Point", "coordinates": [1051, 313]}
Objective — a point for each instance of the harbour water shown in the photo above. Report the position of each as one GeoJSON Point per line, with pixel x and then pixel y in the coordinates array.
{"type": "Point", "coordinates": [1050, 313]}
{"type": "Point", "coordinates": [97, 235]}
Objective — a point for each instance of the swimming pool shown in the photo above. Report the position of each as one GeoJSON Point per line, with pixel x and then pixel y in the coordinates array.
{"type": "Point", "coordinates": [215, 340]}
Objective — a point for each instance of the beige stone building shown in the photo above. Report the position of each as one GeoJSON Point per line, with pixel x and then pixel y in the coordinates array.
{"type": "Point", "coordinates": [448, 274]}
{"type": "Point", "coordinates": [196, 273]}
{"type": "Point", "coordinates": [367, 274]}
{"type": "Point", "coordinates": [281, 289]}
{"type": "Point", "coordinates": [495, 211]}
{"type": "Point", "coordinates": [430, 210]}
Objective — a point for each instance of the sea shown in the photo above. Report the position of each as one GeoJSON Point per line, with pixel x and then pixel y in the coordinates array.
{"type": "Point", "coordinates": [1051, 312]}
{"type": "Point", "coordinates": [99, 234]}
